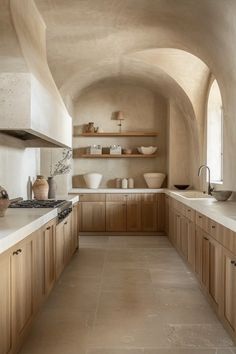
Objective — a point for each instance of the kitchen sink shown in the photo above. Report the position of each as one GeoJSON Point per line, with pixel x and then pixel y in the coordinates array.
{"type": "Point", "coordinates": [194, 195]}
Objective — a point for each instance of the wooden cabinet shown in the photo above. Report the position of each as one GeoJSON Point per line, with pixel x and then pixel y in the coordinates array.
{"type": "Point", "coordinates": [92, 216]}
{"type": "Point", "coordinates": [229, 289]}
{"type": "Point", "coordinates": [49, 231]}
{"type": "Point", "coordinates": [39, 268]}
{"type": "Point", "coordinates": [122, 212]}
{"type": "Point", "coordinates": [75, 227]}
{"type": "Point", "coordinates": [22, 289]}
{"type": "Point", "coordinates": [184, 236]}
{"type": "Point", "coordinates": [5, 305]}
{"type": "Point", "coordinates": [67, 231]}
{"type": "Point", "coordinates": [134, 212]}
{"type": "Point", "coordinates": [149, 212]}
{"type": "Point", "coordinates": [116, 216]}
{"type": "Point", "coordinates": [64, 244]}
{"type": "Point", "coordinates": [167, 208]}
{"type": "Point", "coordinates": [191, 243]}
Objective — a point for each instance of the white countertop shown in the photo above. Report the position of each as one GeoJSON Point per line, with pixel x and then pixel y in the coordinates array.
{"type": "Point", "coordinates": [115, 190]}
{"type": "Point", "coordinates": [222, 212]}
{"type": "Point", "coordinates": [19, 223]}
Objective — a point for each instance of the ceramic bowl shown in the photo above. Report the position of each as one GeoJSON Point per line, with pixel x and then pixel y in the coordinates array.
{"type": "Point", "coordinates": [92, 180]}
{"type": "Point", "coordinates": [147, 150]}
{"type": "Point", "coordinates": [181, 186]}
{"type": "Point", "coordinates": [154, 180]}
{"type": "Point", "coordinates": [221, 195]}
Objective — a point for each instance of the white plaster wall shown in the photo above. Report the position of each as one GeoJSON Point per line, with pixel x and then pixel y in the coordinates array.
{"type": "Point", "coordinates": [144, 110]}
{"type": "Point", "coordinates": [17, 164]}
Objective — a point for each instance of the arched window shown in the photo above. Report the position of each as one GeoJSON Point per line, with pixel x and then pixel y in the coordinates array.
{"type": "Point", "coordinates": [215, 133]}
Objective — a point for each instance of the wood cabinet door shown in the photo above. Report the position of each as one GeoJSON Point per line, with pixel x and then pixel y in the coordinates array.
{"type": "Point", "coordinates": [75, 228]}
{"type": "Point", "coordinates": [229, 288]}
{"type": "Point", "coordinates": [22, 289]}
{"type": "Point", "coordinates": [67, 231]}
{"type": "Point", "coordinates": [115, 216]}
{"type": "Point", "coordinates": [134, 212]}
{"type": "Point", "coordinates": [177, 230]}
{"type": "Point", "coordinates": [39, 268]}
{"type": "Point", "coordinates": [149, 212]}
{"type": "Point", "coordinates": [191, 243]}
{"type": "Point", "coordinates": [198, 253]}
{"type": "Point", "coordinates": [92, 216]}
{"type": "Point", "coordinates": [215, 270]}
{"type": "Point", "coordinates": [167, 215]}
{"type": "Point", "coordinates": [49, 240]}
{"type": "Point", "coordinates": [5, 305]}
{"type": "Point", "coordinates": [184, 236]}
{"type": "Point", "coordinates": [161, 212]}
{"type": "Point", "coordinates": [59, 249]}
{"type": "Point", "coordinates": [205, 260]}
{"type": "Point", "coordinates": [172, 225]}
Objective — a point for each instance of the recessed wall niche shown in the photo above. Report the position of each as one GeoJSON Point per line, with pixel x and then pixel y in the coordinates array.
{"type": "Point", "coordinates": [143, 110]}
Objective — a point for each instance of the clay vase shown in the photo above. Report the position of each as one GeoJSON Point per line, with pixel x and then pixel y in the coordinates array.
{"type": "Point", "coordinates": [4, 201]}
{"type": "Point", "coordinates": [40, 188]}
{"type": "Point", "coordinates": [52, 188]}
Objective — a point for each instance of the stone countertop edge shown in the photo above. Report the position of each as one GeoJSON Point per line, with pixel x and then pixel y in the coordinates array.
{"type": "Point", "coordinates": [15, 225]}
{"type": "Point", "coordinates": [115, 190]}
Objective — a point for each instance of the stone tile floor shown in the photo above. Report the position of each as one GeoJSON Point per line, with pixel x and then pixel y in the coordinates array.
{"type": "Point", "coordinates": [127, 295]}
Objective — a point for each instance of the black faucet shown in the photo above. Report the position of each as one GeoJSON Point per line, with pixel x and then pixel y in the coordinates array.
{"type": "Point", "coordinates": [210, 188]}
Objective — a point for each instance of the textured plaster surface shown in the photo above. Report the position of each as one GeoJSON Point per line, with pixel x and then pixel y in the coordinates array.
{"type": "Point", "coordinates": [90, 41]}
{"type": "Point", "coordinates": [143, 110]}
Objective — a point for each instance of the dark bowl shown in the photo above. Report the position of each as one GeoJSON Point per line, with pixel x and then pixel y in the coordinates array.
{"type": "Point", "coordinates": [181, 186]}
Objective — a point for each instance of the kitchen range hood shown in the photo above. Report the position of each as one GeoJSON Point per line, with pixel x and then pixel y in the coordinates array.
{"type": "Point", "coordinates": [32, 114]}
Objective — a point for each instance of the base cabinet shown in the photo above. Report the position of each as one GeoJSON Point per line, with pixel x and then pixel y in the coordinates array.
{"type": "Point", "coordinates": [134, 213]}
{"type": "Point", "coordinates": [92, 216]}
{"type": "Point", "coordinates": [116, 216]}
{"type": "Point", "coordinates": [229, 289]}
{"type": "Point", "coordinates": [5, 305]}
{"type": "Point", "coordinates": [22, 289]}
{"type": "Point", "coordinates": [28, 273]}
{"type": "Point", "coordinates": [149, 212]}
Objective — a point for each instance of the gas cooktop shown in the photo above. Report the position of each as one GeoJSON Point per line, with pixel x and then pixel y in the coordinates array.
{"type": "Point", "coordinates": [37, 204]}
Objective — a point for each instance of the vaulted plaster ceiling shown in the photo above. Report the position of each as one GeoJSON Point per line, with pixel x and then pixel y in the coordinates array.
{"type": "Point", "coordinates": [90, 39]}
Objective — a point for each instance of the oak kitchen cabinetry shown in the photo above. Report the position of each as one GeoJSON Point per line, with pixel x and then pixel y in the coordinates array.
{"type": "Point", "coordinates": [210, 249]}
{"type": "Point", "coordinates": [121, 212]}
{"type": "Point", "coordinates": [28, 272]}
{"type": "Point", "coordinates": [92, 212]}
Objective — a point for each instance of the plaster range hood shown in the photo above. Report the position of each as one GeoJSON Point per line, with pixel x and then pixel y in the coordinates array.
{"type": "Point", "coordinates": [30, 138]}
{"type": "Point", "coordinates": [32, 115]}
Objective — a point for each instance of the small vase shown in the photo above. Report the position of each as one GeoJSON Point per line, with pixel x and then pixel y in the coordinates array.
{"type": "Point", "coordinates": [40, 188]}
{"type": "Point", "coordinates": [4, 201]}
{"type": "Point", "coordinates": [52, 188]}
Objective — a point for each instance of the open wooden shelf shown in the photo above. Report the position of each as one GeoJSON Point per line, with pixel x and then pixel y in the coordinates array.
{"type": "Point", "coordinates": [108, 156]}
{"type": "Point", "coordinates": [125, 133]}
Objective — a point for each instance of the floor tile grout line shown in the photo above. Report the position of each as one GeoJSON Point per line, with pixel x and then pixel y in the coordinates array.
{"type": "Point", "coordinates": [99, 291]}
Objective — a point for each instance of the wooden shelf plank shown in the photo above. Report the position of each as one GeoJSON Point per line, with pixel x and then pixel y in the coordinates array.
{"type": "Point", "coordinates": [107, 156]}
{"type": "Point", "coordinates": [122, 134]}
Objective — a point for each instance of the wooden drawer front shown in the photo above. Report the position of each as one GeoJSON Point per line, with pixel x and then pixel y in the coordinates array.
{"type": "Point", "coordinates": [149, 197]}
{"type": "Point", "coordinates": [228, 238]}
{"type": "Point", "coordinates": [92, 197]}
{"type": "Point", "coordinates": [190, 213]}
{"type": "Point", "coordinates": [201, 221]}
{"type": "Point", "coordinates": [213, 229]}
{"type": "Point", "coordinates": [116, 197]}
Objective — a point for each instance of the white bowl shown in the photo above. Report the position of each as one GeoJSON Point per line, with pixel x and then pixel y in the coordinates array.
{"type": "Point", "coordinates": [92, 180]}
{"type": "Point", "coordinates": [154, 180]}
{"type": "Point", "coordinates": [147, 150]}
